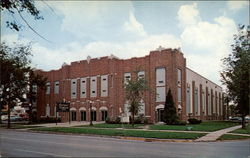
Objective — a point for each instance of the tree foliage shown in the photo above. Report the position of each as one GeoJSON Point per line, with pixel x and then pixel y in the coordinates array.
{"type": "Point", "coordinates": [19, 6]}
{"type": "Point", "coordinates": [16, 74]}
{"type": "Point", "coordinates": [236, 73]}
{"type": "Point", "coordinates": [170, 115]}
{"type": "Point", "coordinates": [134, 90]}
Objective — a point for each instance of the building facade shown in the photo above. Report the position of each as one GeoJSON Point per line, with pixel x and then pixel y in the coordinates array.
{"type": "Point", "coordinates": [99, 83]}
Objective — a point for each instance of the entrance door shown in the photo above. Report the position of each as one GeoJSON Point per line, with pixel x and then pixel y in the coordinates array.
{"type": "Point", "coordinates": [83, 115]}
{"type": "Point", "coordinates": [93, 115]}
{"type": "Point", "coordinates": [160, 115]}
{"type": "Point", "coordinates": [104, 115]}
{"type": "Point", "coordinates": [73, 115]}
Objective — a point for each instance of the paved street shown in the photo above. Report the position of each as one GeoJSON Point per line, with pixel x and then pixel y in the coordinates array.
{"type": "Point", "coordinates": [26, 144]}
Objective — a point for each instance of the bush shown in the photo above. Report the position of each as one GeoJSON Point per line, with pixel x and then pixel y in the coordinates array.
{"type": "Point", "coordinates": [113, 120]}
{"type": "Point", "coordinates": [47, 119]}
{"type": "Point", "coordinates": [141, 119]}
{"type": "Point", "coordinates": [194, 121]}
{"type": "Point", "coordinates": [180, 122]}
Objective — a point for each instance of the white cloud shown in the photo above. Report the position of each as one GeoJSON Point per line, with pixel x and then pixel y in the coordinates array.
{"type": "Point", "coordinates": [237, 5]}
{"type": "Point", "coordinates": [205, 43]}
{"type": "Point", "coordinates": [47, 59]}
{"type": "Point", "coordinates": [94, 20]}
{"type": "Point", "coordinates": [188, 15]}
{"type": "Point", "coordinates": [134, 26]}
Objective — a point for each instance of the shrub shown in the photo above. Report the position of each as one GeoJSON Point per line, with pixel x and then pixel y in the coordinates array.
{"type": "Point", "coordinates": [112, 120]}
{"type": "Point", "coordinates": [141, 119]}
{"type": "Point", "coordinates": [194, 121]}
{"type": "Point", "coordinates": [47, 119]}
{"type": "Point", "coordinates": [180, 122]}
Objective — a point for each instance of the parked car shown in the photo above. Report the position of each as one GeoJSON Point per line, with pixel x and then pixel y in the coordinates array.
{"type": "Point", "coordinates": [4, 117]}
{"type": "Point", "coordinates": [235, 119]}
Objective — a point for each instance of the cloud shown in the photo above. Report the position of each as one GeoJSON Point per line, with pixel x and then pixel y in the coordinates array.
{"type": "Point", "coordinates": [46, 58]}
{"type": "Point", "coordinates": [237, 5]}
{"type": "Point", "coordinates": [134, 26]}
{"type": "Point", "coordinates": [188, 15]}
{"type": "Point", "coordinates": [205, 43]}
{"type": "Point", "coordinates": [96, 20]}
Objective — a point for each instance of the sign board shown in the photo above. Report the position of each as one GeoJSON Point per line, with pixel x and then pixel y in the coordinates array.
{"type": "Point", "coordinates": [63, 107]}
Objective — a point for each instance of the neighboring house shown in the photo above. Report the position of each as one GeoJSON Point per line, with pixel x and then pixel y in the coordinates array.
{"type": "Point", "coordinates": [101, 81]}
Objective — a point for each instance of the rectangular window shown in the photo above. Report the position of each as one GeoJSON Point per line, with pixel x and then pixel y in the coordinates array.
{"type": "Point", "coordinates": [160, 76]}
{"type": "Point", "coordinates": [179, 94]}
{"type": "Point", "coordinates": [56, 87]}
{"type": "Point", "coordinates": [179, 77]}
{"type": "Point", "coordinates": [161, 94]}
{"type": "Point", "coordinates": [127, 77]}
{"type": "Point", "coordinates": [47, 88]}
{"type": "Point", "coordinates": [141, 74]}
{"type": "Point", "coordinates": [73, 88]}
{"type": "Point", "coordinates": [104, 85]}
{"type": "Point", "coordinates": [209, 103]}
{"type": "Point", "coordinates": [34, 89]}
{"type": "Point", "coordinates": [93, 86]}
{"type": "Point", "coordinates": [196, 104]}
{"type": "Point", "coordinates": [83, 87]}
{"type": "Point", "coordinates": [188, 108]}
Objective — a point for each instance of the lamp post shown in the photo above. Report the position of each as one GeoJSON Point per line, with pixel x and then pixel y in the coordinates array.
{"type": "Point", "coordinates": [90, 110]}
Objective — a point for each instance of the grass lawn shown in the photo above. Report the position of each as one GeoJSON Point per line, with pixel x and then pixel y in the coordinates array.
{"type": "Point", "coordinates": [18, 126]}
{"type": "Point", "coordinates": [243, 131]}
{"type": "Point", "coordinates": [204, 126]}
{"type": "Point", "coordinates": [232, 137]}
{"type": "Point", "coordinates": [129, 133]}
{"type": "Point", "coordinates": [104, 125]}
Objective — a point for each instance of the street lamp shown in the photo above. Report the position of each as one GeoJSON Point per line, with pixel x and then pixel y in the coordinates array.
{"type": "Point", "coordinates": [90, 107]}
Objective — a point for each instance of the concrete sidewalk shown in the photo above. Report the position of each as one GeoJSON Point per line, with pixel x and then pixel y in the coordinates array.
{"type": "Point", "coordinates": [213, 136]}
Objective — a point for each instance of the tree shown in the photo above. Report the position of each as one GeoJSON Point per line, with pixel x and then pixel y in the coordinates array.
{"type": "Point", "coordinates": [14, 68]}
{"type": "Point", "coordinates": [134, 90]}
{"type": "Point", "coordinates": [17, 76]}
{"type": "Point", "coordinates": [236, 73]}
{"type": "Point", "coordinates": [170, 115]}
{"type": "Point", "coordinates": [18, 7]}
{"type": "Point", "coordinates": [34, 81]}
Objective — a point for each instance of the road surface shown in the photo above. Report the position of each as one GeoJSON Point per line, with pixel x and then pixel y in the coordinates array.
{"type": "Point", "coordinates": [27, 144]}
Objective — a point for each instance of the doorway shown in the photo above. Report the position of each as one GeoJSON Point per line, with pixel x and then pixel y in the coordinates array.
{"type": "Point", "coordinates": [73, 115]}
{"type": "Point", "coordinates": [160, 115]}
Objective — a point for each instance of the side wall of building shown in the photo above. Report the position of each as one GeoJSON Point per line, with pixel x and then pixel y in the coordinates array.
{"type": "Point", "coordinates": [204, 98]}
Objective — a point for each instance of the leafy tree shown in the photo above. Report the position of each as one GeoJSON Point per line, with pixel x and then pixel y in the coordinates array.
{"type": "Point", "coordinates": [34, 81]}
{"type": "Point", "coordinates": [17, 8]}
{"type": "Point", "coordinates": [236, 73]}
{"type": "Point", "coordinates": [170, 115]}
{"type": "Point", "coordinates": [16, 74]}
{"type": "Point", "coordinates": [14, 68]}
{"type": "Point", "coordinates": [134, 90]}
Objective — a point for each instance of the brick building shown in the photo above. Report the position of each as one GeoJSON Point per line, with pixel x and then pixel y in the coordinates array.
{"type": "Point", "coordinates": [100, 82]}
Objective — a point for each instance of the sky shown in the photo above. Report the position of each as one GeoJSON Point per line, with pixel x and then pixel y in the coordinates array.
{"type": "Point", "coordinates": [203, 30]}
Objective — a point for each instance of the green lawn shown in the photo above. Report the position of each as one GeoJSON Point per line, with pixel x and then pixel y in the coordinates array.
{"type": "Point", "coordinates": [104, 125]}
{"type": "Point", "coordinates": [243, 131]}
{"type": "Point", "coordinates": [232, 137]}
{"type": "Point", "coordinates": [18, 126]}
{"type": "Point", "coordinates": [204, 126]}
{"type": "Point", "coordinates": [130, 133]}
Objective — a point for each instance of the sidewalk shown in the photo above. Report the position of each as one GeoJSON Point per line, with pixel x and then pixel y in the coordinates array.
{"type": "Point", "coordinates": [213, 136]}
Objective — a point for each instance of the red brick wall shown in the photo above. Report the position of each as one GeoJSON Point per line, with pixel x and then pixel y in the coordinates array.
{"type": "Point", "coordinates": [115, 68]}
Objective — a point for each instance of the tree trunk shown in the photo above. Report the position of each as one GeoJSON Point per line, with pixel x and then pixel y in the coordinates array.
{"type": "Point", "coordinates": [133, 120]}
{"type": "Point", "coordinates": [1, 112]}
{"type": "Point", "coordinates": [243, 122]}
{"type": "Point", "coordinates": [8, 115]}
